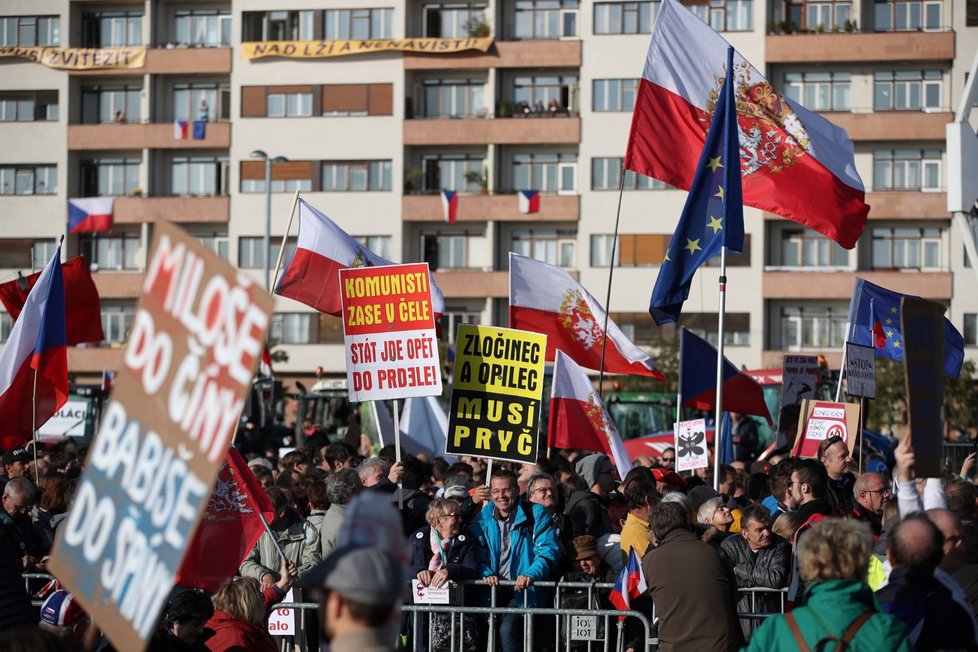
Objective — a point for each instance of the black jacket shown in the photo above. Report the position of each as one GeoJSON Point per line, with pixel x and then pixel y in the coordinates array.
{"type": "Point", "coordinates": [840, 495]}
{"type": "Point", "coordinates": [463, 555]}
{"type": "Point", "coordinates": [588, 514]}
{"type": "Point", "coordinates": [767, 568]}
{"type": "Point", "coordinates": [921, 601]}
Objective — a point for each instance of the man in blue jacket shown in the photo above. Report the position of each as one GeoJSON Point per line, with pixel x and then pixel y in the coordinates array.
{"type": "Point", "coordinates": [518, 542]}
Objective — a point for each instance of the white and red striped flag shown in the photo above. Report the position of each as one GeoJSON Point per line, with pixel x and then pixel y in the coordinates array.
{"type": "Point", "coordinates": [449, 203]}
{"type": "Point", "coordinates": [546, 299]}
{"type": "Point", "coordinates": [578, 418]}
{"type": "Point", "coordinates": [529, 201]}
{"type": "Point", "coordinates": [795, 163]}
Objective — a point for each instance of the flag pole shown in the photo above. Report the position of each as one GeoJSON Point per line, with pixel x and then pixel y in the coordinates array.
{"type": "Point", "coordinates": [718, 422]}
{"type": "Point", "coordinates": [611, 271]}
{"type": "Point", "coordinates": [397, 455]}
{"type": "Point", "coordinates": [679, 388]}
{"type": "Point", "coordinates": [285, 238]}
{"type": "Point", "coordinates": [37, 473]}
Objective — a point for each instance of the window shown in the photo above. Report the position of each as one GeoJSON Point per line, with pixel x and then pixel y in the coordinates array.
{"type": "Point", "coordinates": [277, 26]}
{"type": "Point", "coordinates": [819, 91]}
{"type": "Point", "coordinates": [906, 169]}
{"type": "Point", "coordinates": [198, 175]}
{"type": "Point", "coordinates": [726, 15]}
{"type": "Point", "coordinates": [827, 16]}
{"type": "Point", "coordinates": [605, 175]}
{"type": "Point", "coordinates": [624, 17]}
{"type": "Point", "coordinates": [379, 244]}
{"type": "Point", "coordinates": [906, 248]}
{"type": "Point", "coordinates": [112, 29]}
{"type": "Point", "coordinates": [445, 250]}
{"type": "Point", "coordinates": [454, 20]}
{"type": "Point", "coordinates": [543, 90]}
{"type": "Point", "coordinates": [6, 325]}
{"type": "Point", "coordinates": [42, 251]}
{"type": "Point", "coordinates": [116, 322]}
{"type": "Point", "coordinates": [214, 242]}
{"type": "Point", "coordinates": [359, 24]}
{"type": "Point", "coordinates": [456, 98]}
{"type": "Point", "coordinates": [291, 105]}
{"type": "Point", "coordinates": [105, 104]}
{"type": "Point", "coordinates": [288, 176]}
{"type": "Point", "coordinates": [294, 328]}
{"type": "Point", "coordinates": [342, 176]}
{"type": "Point", "coordinates": [28, 179]}
{"type": "Point", "coordinates": [907, 90]}
{"type": "Point", "coordinates": [203, 27]}
{"type": "Point", "coordinates": [453, 316]}
{"type": "Point", "coordinates": [28, 106]}
{"type": "Point", "coordinates": [202, 101]}
{"type": "Point", "coordinates": [544, 172]}
{"type": "Point", "coordinates": [634, 250]}
{"type": "Point", "coordinates": [541, 19]}
{"type": "Point", "coordinates": [807, 248]}
{"type": "Point", "coordinates": [109, 176]}
{"type": "Point", "coordinates": [551, 246]}
{"type": "Point", "coordinates": [250, 251]}
{"type": "Point", "coordinates": [907, 16]}
{"type": "Point", "coordinates": [970, 331]}
{"type": "Point", "coordinates": [736, 327]}
{"type": "Point", "coordinates": [614, 94]}
{"type": "Point", "coordinates": [118, 251]}
{"type": "Point", "coordinates": [817, 328]}
{"type": "Point", "coordinates": [452, 172]}
{"type": "Point", "coordinates": [30, 30]}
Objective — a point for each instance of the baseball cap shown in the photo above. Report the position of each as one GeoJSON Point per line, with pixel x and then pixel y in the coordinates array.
{"type": "Point", "coordinates": [61, 610]}
{"type": "Point", "coordinates": [669, 477]}
{"type": "Point", "coordinates": [16, 455]}
{"type": "Point", "coordinates": [365, 574]}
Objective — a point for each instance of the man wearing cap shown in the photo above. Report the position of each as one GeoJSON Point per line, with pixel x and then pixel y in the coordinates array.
{"type": "Point", "coordinates": [363, 585]}
{"type": "Point", "coordinates": [16, 463]}
{"type": "Point", "coordinates": [63, 617]}
{"type": "Point", "coordinates": [587, 508]}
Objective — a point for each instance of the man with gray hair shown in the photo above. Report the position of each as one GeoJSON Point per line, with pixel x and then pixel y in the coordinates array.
{"type": "Point", "coordinates": [377, 475]}
{"type": "Point", "coordinates": [870, 492]}
{"type": "Point", "coordinates": [341, 487]}
{"type": "Point", "coordinates": [17, 532]}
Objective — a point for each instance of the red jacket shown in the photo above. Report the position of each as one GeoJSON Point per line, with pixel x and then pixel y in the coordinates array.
{"type": "Point", "coordinates": [232, 634]}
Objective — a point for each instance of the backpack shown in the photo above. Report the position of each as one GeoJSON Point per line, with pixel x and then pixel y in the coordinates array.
{"type": "Point", "coordinates": [842, 644]}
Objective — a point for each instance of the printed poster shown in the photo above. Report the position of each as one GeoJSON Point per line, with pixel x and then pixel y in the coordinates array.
{"type": "Point", "coordinates": [820, 420]}
{"type": "Point", "coordinates": [691, 450]}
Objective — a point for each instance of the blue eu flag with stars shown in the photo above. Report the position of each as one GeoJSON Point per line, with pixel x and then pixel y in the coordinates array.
{"type": "Point", "coordinates": [714, 212]}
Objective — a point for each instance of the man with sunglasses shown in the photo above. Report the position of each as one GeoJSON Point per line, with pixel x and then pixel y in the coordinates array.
{"type": "Point", "coordinates": [870, 492]}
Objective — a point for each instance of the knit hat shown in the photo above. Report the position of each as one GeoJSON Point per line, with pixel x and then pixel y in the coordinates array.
{"type": "Point", "coordinates": [589, 466]}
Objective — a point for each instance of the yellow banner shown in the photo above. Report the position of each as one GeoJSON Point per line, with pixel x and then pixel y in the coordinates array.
{"type": "Point", "coordinates": [80, 58]}
{"type": "Point", "coordinates": [326, 49]}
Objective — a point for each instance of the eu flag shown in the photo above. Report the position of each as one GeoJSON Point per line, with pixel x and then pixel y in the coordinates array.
{"type": "Point", "coordinates": [874, 320]}
{"type": "Point", "coordinates": [714, 212]}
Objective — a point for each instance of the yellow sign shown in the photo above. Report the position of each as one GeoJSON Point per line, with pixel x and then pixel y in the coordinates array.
{"type": "Point", "coordinates": [80, 58]}
{"type": "Point", "coordinates": [326, 49]}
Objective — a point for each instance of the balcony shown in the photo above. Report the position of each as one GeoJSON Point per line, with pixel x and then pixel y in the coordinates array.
{"type": "Point", "coordinates": [500, 131]}
{"type": "Point", "coordinates": [886, 125]}
{"type": "Point", "coordinates": [136, 210]}
{"type": "Point", "coordinates": [851, 47]}
{"type": "Point", "coordinates": [815, 285]}
{"type": "Point", "coordinates": [481, 208]}
{"type": "Point", "coordinates": [92, 360]}
{"type": "Point", "coordinates": [172, 61]}
{"type": "Point", "coordinates": [472, 283]}
{"type": "Point", "coordinates": [118, 285]}
{"type": "Point", "coordinates": [907, 205]}
{"type": "Point", "coordinates": [503, 54]}
{"type": "Point", "coordinates": [144, 136]}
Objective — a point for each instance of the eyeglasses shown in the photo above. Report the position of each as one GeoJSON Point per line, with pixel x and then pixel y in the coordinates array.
{"type": "Point", "coordinates": [452, 515]}
{"type": "Point", "coordinates": [500, 492]}
{"type": "Point", "coordinates": [543, 490]}
{"type": "Point", "coordinates": [878, 491]}
{"type": "Point", "coordinates": [668, 459]}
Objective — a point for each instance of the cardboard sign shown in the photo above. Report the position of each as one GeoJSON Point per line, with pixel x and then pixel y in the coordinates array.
{"type": "Point", "coordinates": [820, 420]}
{"type": "Point", "coordinates": [495, 410]}
{"type": "Point", "coordinates": [195, 341]}
{"type": "Point", "coordinates": [281, 622]}
{"type": "Point", "coordinates": [922, 324]}
{"type": "Point", "coordinates": [428, 594]}
{"type": "Point", "coordinates": [389, 330]}
{"type": "Point", "coordinates": [691, 450]}
{"type": "Point", "coordinates": [799, 377]}
{"type": "Point", "coordinates": [860, 370]}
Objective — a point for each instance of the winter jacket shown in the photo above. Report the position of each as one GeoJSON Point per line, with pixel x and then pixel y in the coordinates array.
{"type": "Point", "coordinates": [232, 634]}
{"type": "Point", "coordinates": [329, 528]}
{"type": "Point", "coordinates": [767, 568]}
{"type": "Point", "coordinates": [934, 621]}
{"type": "Point", "coordinates": [463, 555]}
{"type": "Point", "coordinates": [533, 550]}
{"type": "Point", "coordinates": [838, 603]}
{"type": "Point", "coordinates": [840, 495]}
{"type": "Point", "coordinates": [588, 514]}
{"type": "Point", "coordinates": [299, 540]}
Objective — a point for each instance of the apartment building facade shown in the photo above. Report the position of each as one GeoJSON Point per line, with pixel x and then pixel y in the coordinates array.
{"type": "Point", "coordinates": [370, 139]}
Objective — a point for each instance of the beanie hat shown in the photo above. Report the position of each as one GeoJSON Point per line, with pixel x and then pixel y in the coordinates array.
{"type": "Point", "coordinates": [589, 466]}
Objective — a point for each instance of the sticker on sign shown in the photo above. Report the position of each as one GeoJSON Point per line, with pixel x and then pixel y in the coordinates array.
{"type": "Point", "coordinates": [584, 628]}
{"type": "Point", "coordinates": [829, 412]}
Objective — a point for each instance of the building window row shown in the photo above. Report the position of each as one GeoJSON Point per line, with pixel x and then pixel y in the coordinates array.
{"type": "Point", "coordinates": [325, 100]}
{"type": "Point", "coordinates": [624, 17]}
{"type": "Point", "coordinates": [807, 248]}
{"type": "Point", "coordinates": [819, 91]}
{"type": "Point", "coordinates": [28, 106]}
{"type": "Point", "coordinates": [453, 98]}
{"type": "Point", "coordinates": [308, 25]}
{"type": "Point", "coordinates": [907, 248]}
{"type": "Point", "coordinates": [203, 27]}
{"type": "Point", "coordinates": [545, 19]}
{"type": "Point", "coordinates": [454, 20]}
{"type": "Point", "coordinates": [606, 175]}
{"type": "Point", "coordinates": [893, 16]}
{"type": "Point", "coordinates": [907, 90]}
{"type": "Point", "coordinates": [111, 103]}
{"type": "Point", "coordinates": [614, 94]}
{"type": "Point", "coordinates": [28, 31]}
{"type": "Point", "coordinates": [112, 29]}
{"type": "Point", "coordinates": [907, 169]}
{"type": "Point", "coordinates": [553, 246]}
{"type": "Point", "coordinates": [112, 251]}
{"type": "Point", "coordinates": [647, 250]}
{"type": "Point", "coordinates": [805, 328]}
{"type": "Point", "coordinates": [202, 101]}
{"type": "Point", "coordinates": [28, 179]}
{"type": "Point", "coordinates": [332, 176]}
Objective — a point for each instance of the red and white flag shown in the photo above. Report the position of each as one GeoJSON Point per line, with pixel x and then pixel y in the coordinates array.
{"type": "Point", "coordinates": [795, 163]}
{"type": "Point", "coordinates": [181, 129]}
{"type": "Point", "coordinates": [312, 274]}
{"type": "Point", "coordinates": [449, 203]}
{"type": "Point", "coordinates": [578, 418]}
{"type": "Point", "coordinates": [546, 299]}
{"type": "Point", "coordinates": [229, 528]}
{"type": "Point", "coordinates": [529, 201]}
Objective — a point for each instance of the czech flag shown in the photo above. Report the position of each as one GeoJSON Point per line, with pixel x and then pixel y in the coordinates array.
{"type": "Point", "coordinates": [35, 359]}
{"type": "Point", "coordinates": [181, 130]}
{"type": "Point", "coordinates": [449, 202]}
{"type": "Point", "coordinates": [529, 201]}
{"type": "Point", "coordinates": [630, 583]}
{"type": "Point", "coordinates": [90, 215]}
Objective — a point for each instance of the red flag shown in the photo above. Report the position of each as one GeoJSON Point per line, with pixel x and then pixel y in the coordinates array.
{"type": "Point", "coordinates": [83, 310]}
{"type": "Point", "coordinates": [229, 528]}
{"type": "Point", "coordinates": [546, 299]}
{"type": "Point", "coordinates": [578, 418]}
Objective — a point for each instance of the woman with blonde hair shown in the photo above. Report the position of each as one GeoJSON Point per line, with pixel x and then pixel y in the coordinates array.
{"type": "Point", "coordinates": [241, 611]}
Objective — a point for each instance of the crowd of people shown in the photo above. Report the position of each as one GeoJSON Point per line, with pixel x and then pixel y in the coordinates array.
{"type": "Point", "coordinates": [874, 560]}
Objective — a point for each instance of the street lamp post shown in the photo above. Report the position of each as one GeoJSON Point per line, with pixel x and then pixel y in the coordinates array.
{"type": "Point", "coordinates": [267, 239]}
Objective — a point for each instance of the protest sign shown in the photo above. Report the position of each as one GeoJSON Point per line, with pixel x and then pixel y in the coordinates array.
{"type": "Point", "coordinates": [799, 377]}
{"type": "Point", "coordinates": [691, 451]}
{"type": "Point", "coordinates": [429, 594]}
{"type": "Point", "coordinates": [860, 370]}
{"type": "Point", "coordinates": [922, 325]}
{"type": "Point", "coordinates": [72, 420]}
{"type": "Point", "coordinates": [495, 410]}
{"type": "Point", "coordinates": [820, 420]}
{"type": "Point", "coordinates": [281, 622]}
{"type": "Point", "coordinates": [389, 330]}
{"type": "Point", "coordinates": [195, 341]}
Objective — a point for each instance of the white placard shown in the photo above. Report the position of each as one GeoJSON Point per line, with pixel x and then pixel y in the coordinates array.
{"type": "Point", "coordinates": [798, 378]}
{"type": "Point", "coordinates": [69, 421]}
{"type": "Point", "coordinates": [428, 594]}
{"type": "Point", "coordinates": [282, 621]}
{"type": "Point", "coordinates": [691, 450]}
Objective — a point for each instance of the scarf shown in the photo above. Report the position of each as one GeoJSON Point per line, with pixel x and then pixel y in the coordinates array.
{"type": "Point", "coordinates": [439, 551]}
